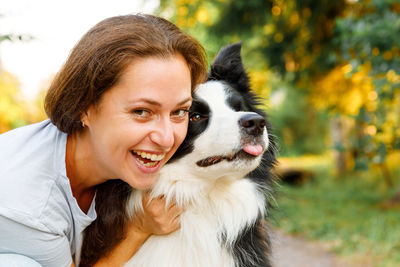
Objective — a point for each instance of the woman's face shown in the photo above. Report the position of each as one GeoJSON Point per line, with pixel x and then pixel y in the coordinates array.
{"type": "Point", "coordinates": [140, 122]}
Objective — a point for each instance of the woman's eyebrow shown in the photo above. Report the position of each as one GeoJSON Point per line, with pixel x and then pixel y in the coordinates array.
{"type": "Point", "coordinates": [189, 99]}
{"type": "Point", "coordinates": [155, 103]}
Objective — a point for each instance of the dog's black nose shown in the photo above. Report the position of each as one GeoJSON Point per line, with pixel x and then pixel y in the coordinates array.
{"type": "Point", "coordinates": [252, 124]}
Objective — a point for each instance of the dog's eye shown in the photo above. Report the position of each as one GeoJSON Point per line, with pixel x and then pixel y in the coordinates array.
{"type": "Point", "coordinates": [195, 117]}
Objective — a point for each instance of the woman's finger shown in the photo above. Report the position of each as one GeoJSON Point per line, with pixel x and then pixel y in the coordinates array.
{"type": "Point", "coordinates": [174, 210]}
{"type": "Point", "coordinates": [176, 223]}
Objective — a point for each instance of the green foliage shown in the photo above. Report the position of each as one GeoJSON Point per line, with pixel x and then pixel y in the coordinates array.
{"type": "Point", "coordinates": [345, 214]}
{"type": "Point", "coordinates": [370, 35]}
{"type": "Point", "coordinates": [14, 111]}
{"type": "Point", "coordinates": [287, 35]}
{"type": "Point", "coordinates": [299, 127]}
{"type": "Point", "coordinates": [14, 37]}
{"type": "Point", "coordinates": [11, 105]}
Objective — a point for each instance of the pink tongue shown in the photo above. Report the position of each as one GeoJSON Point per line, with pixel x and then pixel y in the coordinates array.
{"type": "Point", "coordinates": [253, 149]}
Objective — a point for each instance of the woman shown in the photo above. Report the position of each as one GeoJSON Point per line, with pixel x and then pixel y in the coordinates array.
{"type": "Point", "coordinates": [117, 110]}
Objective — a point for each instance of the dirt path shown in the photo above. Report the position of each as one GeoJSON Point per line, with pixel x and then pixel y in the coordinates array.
{"type": "Point", "coordinates": [289, 251]}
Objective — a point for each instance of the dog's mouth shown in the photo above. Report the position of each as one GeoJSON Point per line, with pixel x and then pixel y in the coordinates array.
{"type": "Point", "coordinates": [248, 152]}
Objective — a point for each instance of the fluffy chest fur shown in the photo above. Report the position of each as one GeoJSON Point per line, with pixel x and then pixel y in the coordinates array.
{"type": "Point", "coordinates": [216, 212]}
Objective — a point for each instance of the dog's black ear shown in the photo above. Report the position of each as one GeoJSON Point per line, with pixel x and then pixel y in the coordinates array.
{"type": "Point", "coordinates": [228, 66]}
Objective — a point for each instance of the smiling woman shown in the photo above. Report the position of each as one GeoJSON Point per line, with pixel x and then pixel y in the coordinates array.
{"type": "Point", "coordinates": [117, 111]}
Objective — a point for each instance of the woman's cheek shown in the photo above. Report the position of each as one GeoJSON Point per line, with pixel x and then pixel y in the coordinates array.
{"type": "Point", "coordinates": [183, 131]}
{"type": "Point", "coordinates": [180, 134]}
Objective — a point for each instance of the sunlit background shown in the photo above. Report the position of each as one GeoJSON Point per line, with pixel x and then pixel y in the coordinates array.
{"type": "Point", "coordinates": [329, 71]}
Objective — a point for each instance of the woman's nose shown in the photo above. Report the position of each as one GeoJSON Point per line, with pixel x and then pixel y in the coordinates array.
{"type": "Point", "coordinates": [163, 134]}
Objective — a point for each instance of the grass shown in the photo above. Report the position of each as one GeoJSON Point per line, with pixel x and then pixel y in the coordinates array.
{"type": "Point", "coordinates": [345, 214]}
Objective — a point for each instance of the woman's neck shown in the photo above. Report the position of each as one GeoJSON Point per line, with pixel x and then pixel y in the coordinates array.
{"type": "Point", "coordinates": [79, 171]}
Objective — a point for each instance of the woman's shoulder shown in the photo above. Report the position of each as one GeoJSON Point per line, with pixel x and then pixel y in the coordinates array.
{"type": "Point", "coordinates": [28, 131]}
{"type": "Point", "coordinates": [21, 139]}
{"type": "Point", "coordinates": [31, 147]}
{"type": "Point", "coordinates": [32, 160]}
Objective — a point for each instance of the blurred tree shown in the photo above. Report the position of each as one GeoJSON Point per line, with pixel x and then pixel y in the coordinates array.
{"type": "Point", "coordinates": [11, 106]}
{"type": "Point", "coordinates": [14, 110]}
{"type": "Point", "coordinates": [14, 37]}
{"type": "Point", "coordinates": [367, 73]}
{"type": "Point", "coordinates": [294, 120]}
{"type": "Point", "coordinates": [287, 35]}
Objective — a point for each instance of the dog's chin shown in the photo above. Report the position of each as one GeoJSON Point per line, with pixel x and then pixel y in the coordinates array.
{"type": "Point", "coordinates": [236, 157]}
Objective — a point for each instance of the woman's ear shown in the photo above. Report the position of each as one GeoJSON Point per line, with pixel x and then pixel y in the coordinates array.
{"type": "Point", "coordinates": [85, 118]}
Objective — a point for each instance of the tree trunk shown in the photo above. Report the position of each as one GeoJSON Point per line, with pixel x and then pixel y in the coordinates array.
{"type": "Point", "coordinates": [396, 197]}
{"type": "Point", "coordinates": [393, 202]}
{"type": "Point", "coordinates": [338, 140]}
{"type": "Point", "coordinates": [386, 175]}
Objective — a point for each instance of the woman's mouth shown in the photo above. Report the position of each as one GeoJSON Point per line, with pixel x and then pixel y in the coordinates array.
{"type": "Point", "coordinates": [147, 159]}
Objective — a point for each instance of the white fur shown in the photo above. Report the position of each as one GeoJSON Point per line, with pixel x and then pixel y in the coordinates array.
{"type": "Point", "coordinates": [218, 202]}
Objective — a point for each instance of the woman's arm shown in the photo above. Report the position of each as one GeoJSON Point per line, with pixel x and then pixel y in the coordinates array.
{"type": "Point", "coordinates": [124, 250]}
{"type": "Point", "coordinates": [156, 219]}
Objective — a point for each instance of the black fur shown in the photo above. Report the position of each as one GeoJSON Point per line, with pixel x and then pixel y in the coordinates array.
{"type": "Point", "coordinates": [253, 246]}
{"type": "Point", "coordinates": [228, 67]}
{"type": "Point", "coordinates": [102, 235]}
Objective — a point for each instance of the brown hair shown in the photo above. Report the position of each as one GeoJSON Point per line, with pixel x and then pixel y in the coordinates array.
{"type": "Point", "coordinates": [101, 56]}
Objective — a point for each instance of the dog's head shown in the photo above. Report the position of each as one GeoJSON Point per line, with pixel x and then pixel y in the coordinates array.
{"type": "Point", "coordinates": [227, 133]}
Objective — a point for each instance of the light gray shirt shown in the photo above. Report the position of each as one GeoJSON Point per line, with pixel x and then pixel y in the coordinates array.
{"type": "Point", "coordinates": [39, 217]}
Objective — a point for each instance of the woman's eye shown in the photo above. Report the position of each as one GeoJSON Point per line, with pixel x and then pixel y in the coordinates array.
{"type": "Point", "coordinates": [180, 113]}
{"type": "Point", "coordinates": [195, 117]}
{"type": "Point", "coordinates": [141, 113]}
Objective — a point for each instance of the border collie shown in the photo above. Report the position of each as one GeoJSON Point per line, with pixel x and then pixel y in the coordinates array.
{"type": "Point", "coordinates": [220, 175]}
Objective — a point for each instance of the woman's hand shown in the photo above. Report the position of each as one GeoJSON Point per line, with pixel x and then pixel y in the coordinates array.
{"type": "Point", "coordinates": [157, 218]}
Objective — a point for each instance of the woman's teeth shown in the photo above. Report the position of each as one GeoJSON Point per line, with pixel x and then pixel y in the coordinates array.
{"type": "Point", "coordinates": [153, 157]}
{"type": "Point", "coordinates": [149, 164]}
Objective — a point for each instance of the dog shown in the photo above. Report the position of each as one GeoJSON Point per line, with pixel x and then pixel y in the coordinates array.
{"type": "Point", "coordinates": [221, 175]}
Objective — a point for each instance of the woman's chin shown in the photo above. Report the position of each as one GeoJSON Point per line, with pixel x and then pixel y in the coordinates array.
{"type": "Point", "coordinates": [143, 183]}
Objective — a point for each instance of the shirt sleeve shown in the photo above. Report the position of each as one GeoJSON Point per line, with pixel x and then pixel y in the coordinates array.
{"type": "Point", "coordinates": [46, 248]}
